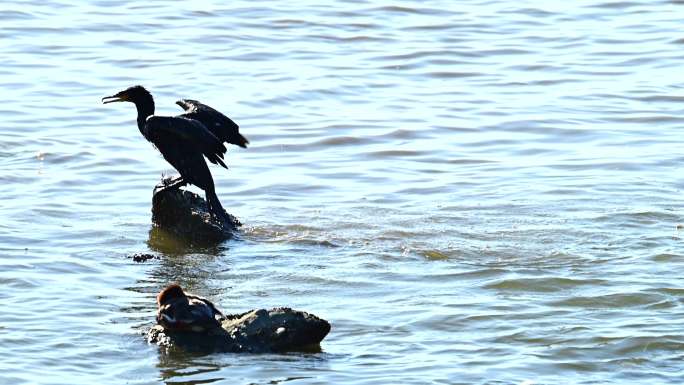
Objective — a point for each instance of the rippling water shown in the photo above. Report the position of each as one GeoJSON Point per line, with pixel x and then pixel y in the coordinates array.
{"type": "Point", "coordinates": [471, 192]}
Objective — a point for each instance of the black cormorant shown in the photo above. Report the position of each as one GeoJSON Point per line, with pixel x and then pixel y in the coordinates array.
{"type": "Point", "coordinates": [186, 139]}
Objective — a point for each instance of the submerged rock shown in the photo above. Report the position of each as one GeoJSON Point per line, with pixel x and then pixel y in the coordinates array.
{"type": "Point", "coordinates": [186, 215]}
{"type": "Point", "coordinates": [142, 257]}
{"type": "Point", "coordinates": [256, 331]}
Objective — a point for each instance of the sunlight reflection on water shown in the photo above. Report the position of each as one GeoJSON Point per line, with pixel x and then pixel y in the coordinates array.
{"type": "Point", "coordinates": [474, 194]}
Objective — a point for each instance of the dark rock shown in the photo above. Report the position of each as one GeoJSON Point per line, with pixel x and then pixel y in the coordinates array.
{"type": "Point", "coordinates": [142, 257]}
{"type": "Point", "coordinates": [256, 331]}
{"type": "Point", "coordinates": [185, 214]}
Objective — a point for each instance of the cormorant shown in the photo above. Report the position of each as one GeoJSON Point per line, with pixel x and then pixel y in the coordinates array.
{"type": "Point", "coordinates": [186, 139]}
{"type": "Point", "coordinates": [179, 311]}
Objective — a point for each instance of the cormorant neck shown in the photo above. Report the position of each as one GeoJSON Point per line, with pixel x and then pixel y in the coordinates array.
{"type": "Point", "coordinates": [145, 108]}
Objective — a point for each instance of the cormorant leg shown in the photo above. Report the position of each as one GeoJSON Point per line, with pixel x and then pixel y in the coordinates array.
{"type": "Point", "coordinates": [214, 206]}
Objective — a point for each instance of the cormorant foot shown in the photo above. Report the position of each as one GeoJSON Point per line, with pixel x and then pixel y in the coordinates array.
{"type": "Point", "coordinates": [217, 216]}
{"type": "Point", "coordinates": [169, 184]}
{"type": "Point", "coordinates": [220, 215]}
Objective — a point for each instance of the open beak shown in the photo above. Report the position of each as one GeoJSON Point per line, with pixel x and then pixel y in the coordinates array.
{"type": "Point", "coordinates": [112, 99]}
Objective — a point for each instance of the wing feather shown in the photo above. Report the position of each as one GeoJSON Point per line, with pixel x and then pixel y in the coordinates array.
{"type": "Point", "coordinates": [224, 128]}
{"type": "Point", "coordinates": [190, 131]}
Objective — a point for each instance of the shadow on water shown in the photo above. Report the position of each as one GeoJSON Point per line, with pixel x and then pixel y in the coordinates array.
{"type": "Point", "coordinates": [167, 243]}
{"type": "Point", "coordinates": [184, 365]}
{"type": "Point", "coordinates": [197, 369]}
{"type": "Point", "coordinates": [188, 264]}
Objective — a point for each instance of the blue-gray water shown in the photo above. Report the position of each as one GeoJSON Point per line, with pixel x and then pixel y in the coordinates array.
{"type": "Point", "coordinates": [471, 192]}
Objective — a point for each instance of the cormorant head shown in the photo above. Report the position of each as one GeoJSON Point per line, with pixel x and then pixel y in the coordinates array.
{"type": "Point", "coordinates": [133, 94]}
{"type": "Point", "coordinates": [169, 293]}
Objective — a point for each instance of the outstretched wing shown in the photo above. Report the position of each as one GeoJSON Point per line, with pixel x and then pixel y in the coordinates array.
{"type": "Point", "coordinates": [220, 125]}
{"type": "Point", "coordinates": [189, 132]}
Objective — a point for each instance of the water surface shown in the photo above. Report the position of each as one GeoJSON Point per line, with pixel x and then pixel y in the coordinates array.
{"type": "Point", "coordinates": [471, 193]}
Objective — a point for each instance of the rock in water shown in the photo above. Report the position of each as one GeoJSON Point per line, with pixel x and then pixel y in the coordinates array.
{"type": "Point", "coordinates": [256, 331]}
{"type": "Point", "coordinates": [185, 214]}
{"type": "Point", "coordinates": [276, 330]}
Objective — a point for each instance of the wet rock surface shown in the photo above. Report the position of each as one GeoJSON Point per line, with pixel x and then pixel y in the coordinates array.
{"type": "Point", "coordinates": [256, 331]}
{"type": "Point", "coordinates": [186, 215]}
{"type": "Point", "coordinates": [143, 257]}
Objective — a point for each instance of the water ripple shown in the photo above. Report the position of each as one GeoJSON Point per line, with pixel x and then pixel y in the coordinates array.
{"type": "Point", "coordinates": [447, 185]}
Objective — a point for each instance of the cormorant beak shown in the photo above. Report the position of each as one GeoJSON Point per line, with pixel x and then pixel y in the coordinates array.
{"type": "Point", "coordinates": [114, 98]}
